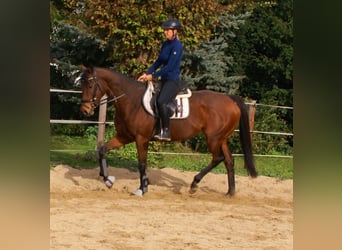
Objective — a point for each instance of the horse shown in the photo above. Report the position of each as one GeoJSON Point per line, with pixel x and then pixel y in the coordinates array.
{"type": "Point", "coordinates": [215, 114]}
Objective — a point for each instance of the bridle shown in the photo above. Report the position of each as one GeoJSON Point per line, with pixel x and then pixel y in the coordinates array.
{"type": "Point", "coordinates": [97, 86]}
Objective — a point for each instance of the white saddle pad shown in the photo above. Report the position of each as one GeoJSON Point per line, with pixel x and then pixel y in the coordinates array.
{"type": "Point", "coordinates": [183, 109]}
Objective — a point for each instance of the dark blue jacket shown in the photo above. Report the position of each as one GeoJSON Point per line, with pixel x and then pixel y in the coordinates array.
{"type": "Point", "coordinates": [170, 57]}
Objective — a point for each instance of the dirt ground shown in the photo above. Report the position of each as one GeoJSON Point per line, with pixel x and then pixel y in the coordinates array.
{"type": "Point", "coordinates": [85, 214]}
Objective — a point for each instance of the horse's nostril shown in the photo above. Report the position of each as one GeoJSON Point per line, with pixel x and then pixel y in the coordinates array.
{"type": "Point", "coordinates": [84, 111]}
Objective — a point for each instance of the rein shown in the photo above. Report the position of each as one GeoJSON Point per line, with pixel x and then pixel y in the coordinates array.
{"type": "Point", "coordinates": [93, 99]}
{"type": "Point", "coordinates": [115, 98]}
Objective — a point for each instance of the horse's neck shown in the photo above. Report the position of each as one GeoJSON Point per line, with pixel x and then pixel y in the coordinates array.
{"type": "Point", "coordinates": [126, 89]}
{"type": "Point", "coordinates": [115, 87]}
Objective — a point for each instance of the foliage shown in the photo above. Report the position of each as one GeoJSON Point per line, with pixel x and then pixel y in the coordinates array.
{"type": "Point", "coordinates": [263, 51]}
{"type": "Point", "coordinates": [91, 134]}
{"type": "Point", "coordinates": [63, 105]}
{"type": "Point", "coordinates": [68, 129]}
{"type": "Point", "coordinates": [268, 143]}
{"type": "Point", "coordinates": [209, 66]}
{"type": "Point", "coordinates": [69, 47]}
{"type": "Point", "coordinates": [134, 26]}
{"type": "Point", "coordinates": [263, 48]}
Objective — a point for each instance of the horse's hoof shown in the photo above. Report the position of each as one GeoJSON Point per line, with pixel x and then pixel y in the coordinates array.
{"type": "Point", "coordinates": [193, 188]}
{"type": "Point", "coordinates": [138, 192]}
{"type": "Point", "coordinates": [230, 194]}
{"type": "Point", "coordinates": [109, 181]}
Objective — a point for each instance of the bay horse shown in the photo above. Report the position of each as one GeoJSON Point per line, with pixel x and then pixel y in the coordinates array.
{"type": "Point", "coordinates": [215, 114]}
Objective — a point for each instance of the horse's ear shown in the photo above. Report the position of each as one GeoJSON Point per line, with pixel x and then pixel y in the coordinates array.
{"type": "Point", "coordinates": [83, 68]}
{"type": "Point", "coordinates": [89, 69]}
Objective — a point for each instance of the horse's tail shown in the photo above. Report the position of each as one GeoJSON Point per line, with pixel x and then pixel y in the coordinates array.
{"type": "Point", "coordinates": [245, 137]}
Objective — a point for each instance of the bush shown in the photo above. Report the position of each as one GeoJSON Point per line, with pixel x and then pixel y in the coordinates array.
{"type": "Point", "coordinates": [68, 129]}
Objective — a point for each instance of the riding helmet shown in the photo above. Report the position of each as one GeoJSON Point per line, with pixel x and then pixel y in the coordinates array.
{"type": "Point", "coordinates": [171, 23]}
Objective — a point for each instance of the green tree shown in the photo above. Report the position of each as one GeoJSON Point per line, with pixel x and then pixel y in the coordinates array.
{"type": "Point", "coordinates": [210, 65]}
{"type": "Point", "coordinates": [134, 26]}
{"type": "Point", "coordinates": [263, 51]}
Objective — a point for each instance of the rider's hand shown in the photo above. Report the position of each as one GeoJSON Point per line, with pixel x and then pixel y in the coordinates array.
{"type": "Point", "coordinates": [148, 77]}
{"type": "Point", "coordinates": [144, 77]}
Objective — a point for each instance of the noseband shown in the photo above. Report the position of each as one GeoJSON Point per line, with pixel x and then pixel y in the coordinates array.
{"type": "Point", "coordinates": [97, 86]}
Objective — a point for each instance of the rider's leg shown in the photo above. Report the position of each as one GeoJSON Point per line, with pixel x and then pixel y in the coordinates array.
{"type": "Point", "coordinates": [168, 92]}
{"type": "Point", "coordinates": [165, 121]}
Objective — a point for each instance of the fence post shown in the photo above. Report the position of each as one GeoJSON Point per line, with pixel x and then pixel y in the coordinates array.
{"type": "Point", "coordinates": [251, 116]}
{"type": "Point", "coordinates": [102, 123]}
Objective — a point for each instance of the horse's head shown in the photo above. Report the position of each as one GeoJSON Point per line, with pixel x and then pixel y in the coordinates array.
{"type": "Point", "coordinates": [92, 91]}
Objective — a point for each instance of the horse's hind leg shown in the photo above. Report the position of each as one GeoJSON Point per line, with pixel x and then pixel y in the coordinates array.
{"type": "Point", "coordinates": [216, 159]}
{"type": "Point", "coordinates": [229, 163]}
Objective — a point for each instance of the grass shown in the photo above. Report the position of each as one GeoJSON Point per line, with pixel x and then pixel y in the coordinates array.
{"type": "Point", "coordinates": [80, 153]}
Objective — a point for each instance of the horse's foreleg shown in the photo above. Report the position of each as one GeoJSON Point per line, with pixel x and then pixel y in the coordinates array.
{"type": "Point", "coordinates": [143, 178]}
{"type": "Point", "coordinates": [102, 151]}
{"type": "Point", "coordinates": [102, 160]}
{"type": "Point", "coordinates": [142, 148]}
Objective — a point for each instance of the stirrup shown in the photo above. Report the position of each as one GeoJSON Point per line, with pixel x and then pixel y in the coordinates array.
{"type": "Point", "coordinates": [165, 139]}
{"type": "Point", "coordinates": [161, 136]}
{"type": "Point", "coordinates": [165, 136]}
{"type": "Point", "coordinates": [157, 136]}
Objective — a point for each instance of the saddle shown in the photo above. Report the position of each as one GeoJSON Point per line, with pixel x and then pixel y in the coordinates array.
{"type": "Point", "coordinates": [178, 108]}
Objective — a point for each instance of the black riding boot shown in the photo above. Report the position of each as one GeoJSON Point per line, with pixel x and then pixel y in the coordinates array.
{"type": "Point", "coordinates": [164, 117]}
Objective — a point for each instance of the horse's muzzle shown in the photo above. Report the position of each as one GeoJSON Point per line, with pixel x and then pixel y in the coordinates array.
{"type": "Point", "coordinates": [87, 110]}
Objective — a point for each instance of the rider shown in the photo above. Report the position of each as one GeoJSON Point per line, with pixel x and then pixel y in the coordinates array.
{"type": "Point", "coordinates": [169, 57]}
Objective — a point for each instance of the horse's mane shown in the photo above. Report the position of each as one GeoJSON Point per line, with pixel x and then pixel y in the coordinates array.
{"type": "Point", "coordinates": [124, 77]}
